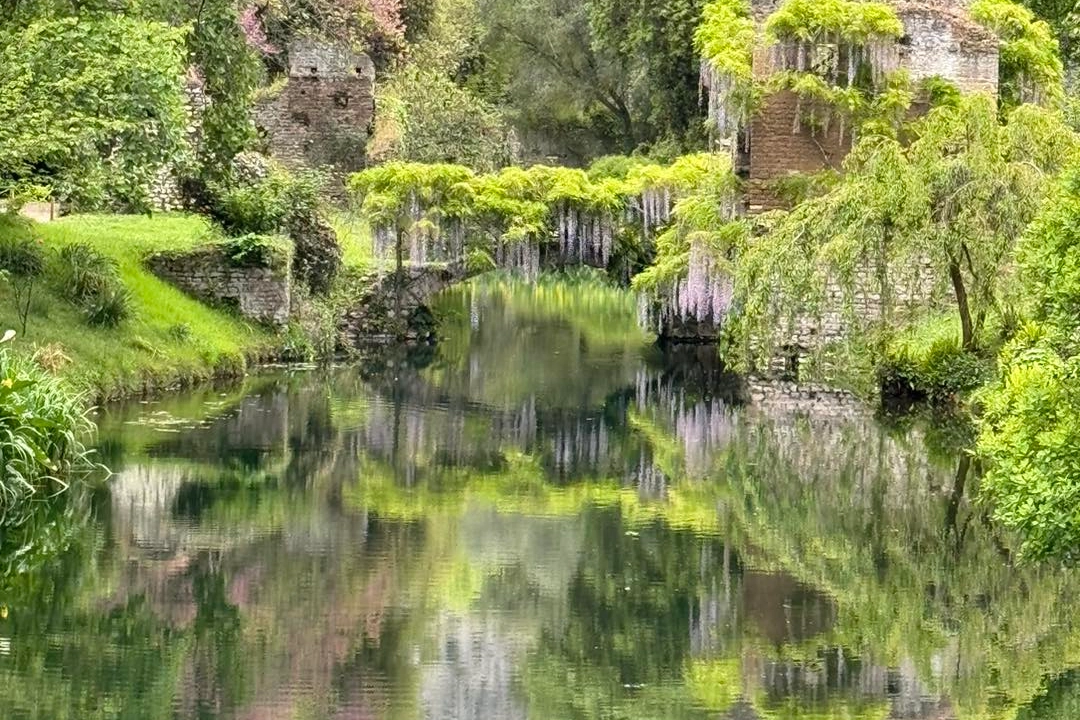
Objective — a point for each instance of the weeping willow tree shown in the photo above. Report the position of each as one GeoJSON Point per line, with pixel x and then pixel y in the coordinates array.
{"type": "Point", "coordinates": [691, 278]}
{"type": "Point", "coordinates": [946, 208]}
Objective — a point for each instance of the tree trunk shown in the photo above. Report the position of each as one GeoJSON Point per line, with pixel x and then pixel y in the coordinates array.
{"type": "Point", "coordinates": [399, 283]}
{"type": "Point", "coordinates": [966, 326]}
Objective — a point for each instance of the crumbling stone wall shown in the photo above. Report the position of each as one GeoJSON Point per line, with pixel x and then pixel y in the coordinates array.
{"type": "Point", "coordinates": [940, 40]}
{"type": "Point", "coordinates": [322, 116]}
{"type": "Point", "coordinates": [165, 193]}
{"type": "Point", "coordinates": [943, 41]}
{"type": "Point", "coordinates": [394, 306]}
{"type": "Point", "coordinates": [782, 145]}
{"type": "Point", "coordinates": [257, 292]}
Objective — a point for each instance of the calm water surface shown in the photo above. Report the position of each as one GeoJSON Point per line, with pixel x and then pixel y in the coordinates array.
{"type": "Point", "coordinates": [543, 518]}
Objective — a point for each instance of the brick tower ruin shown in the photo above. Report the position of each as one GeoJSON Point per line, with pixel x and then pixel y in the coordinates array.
{"type": "Point", "coordinates": [940, 40]}
{"type": "Point", "coordinates": [322, 116]}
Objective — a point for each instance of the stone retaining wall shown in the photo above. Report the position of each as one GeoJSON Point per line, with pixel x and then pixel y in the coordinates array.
{"type": "Point", "coordinates": [259, 293]}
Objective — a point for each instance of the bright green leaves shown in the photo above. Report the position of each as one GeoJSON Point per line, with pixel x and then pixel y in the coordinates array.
{"type": "Point", "coordinates": [950, 204]}
{"type": "Point", "coordinates": [725, 42]}
{"type": "Point", "coordinates": [725, 37]}
{"type": "Point", "coordinates": [90, 107]}
{"type": "Point", "coordinates": [1029, 438]}
{"type": "Point", "coordinates": [518, 204]}
{"type": "Point", "coordinates": [1030, 67]}
{"type": "Point", "coordinates": [230, 73]}
{"type": "Point", "coordinates": [844, 21]}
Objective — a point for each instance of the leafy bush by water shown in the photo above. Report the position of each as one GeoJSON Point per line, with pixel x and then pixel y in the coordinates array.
{"type": "Point", "coordinates": [929, 362]}
{"type": "Point", "coordinates": [42, 430]}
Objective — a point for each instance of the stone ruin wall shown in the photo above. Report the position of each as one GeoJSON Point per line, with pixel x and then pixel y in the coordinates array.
{"type": "Point", "coordinates": [262, 294]}
{"type": "Point", "coordinates": [322, 116]}
{"type": "Point", "coordinates": [939, 40]}
{"type": "Point", "coordinates": [165, 194]}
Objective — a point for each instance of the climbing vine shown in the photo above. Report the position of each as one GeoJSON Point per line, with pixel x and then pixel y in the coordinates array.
{"type": "Point", "coordinates": [725, 42]}
{"type": "Point", "coordinates": [691, 277]}
{"type": "Point", "coordinates": [1030, 66]}
{"type": "Point", "coordinates": [517, 215]}
{"type": "Point", "coordinates": [840, 58]}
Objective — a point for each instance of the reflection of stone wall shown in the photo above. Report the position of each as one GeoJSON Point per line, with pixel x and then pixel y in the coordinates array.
{"type": "Point", "coordinates": [473, 678]}
{"type": "Point", "coordinates": [258, 293]}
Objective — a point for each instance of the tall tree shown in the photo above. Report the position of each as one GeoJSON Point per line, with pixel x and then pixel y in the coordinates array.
{"type": "Point", "coordinates": [90, 107]}
{"type": "Point", "coordinates": [651, 42]}
{"type": "Point", "coordinates": [565, 96]}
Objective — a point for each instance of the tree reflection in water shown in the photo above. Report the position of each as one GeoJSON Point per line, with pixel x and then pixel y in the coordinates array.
{"type": "Point", "coordinates": [545, 518]}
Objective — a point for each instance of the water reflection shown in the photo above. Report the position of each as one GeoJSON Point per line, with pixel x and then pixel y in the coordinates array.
{"type": "Point", "coordinates": [545, 519]}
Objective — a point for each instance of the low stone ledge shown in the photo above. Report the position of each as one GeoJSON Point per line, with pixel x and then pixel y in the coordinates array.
{"type": "Point", "coordinates": [258, 291]}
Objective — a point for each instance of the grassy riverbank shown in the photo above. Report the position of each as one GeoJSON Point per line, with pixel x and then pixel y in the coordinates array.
{"type": "Point", "coordinates": [169, 339]}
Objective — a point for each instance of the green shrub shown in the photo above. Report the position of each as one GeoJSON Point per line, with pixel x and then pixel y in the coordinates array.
{"type": "Point", "coordinates": [250, 209]}
{"type": "Point", "coordinates": [22, 261]}
{"type": "Point", "coordinates": [83, 272]}
{"type": "Point", "coordinates": [928, 362]}
{"type": "Point", "coordinates": [21, 254]}
{"type": "Point", "coordinates": [108, 308]}
{"type": "Point", "coordinates": [265, 251]}
{"type": "Point", "coordinates": [92, 281]}
{"type": "Point", "coordinates": [180, 332]}
{"type": "Point", "coordinates": [42, 430]}
{"type": "Point", "coordinates": [267, 205]}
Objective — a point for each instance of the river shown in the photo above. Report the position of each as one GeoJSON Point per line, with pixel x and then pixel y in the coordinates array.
{"type": "Point", "coordinates": [544, 517]}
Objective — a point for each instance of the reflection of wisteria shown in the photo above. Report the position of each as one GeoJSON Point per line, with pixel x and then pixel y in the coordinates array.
{"type": "Point", "coordinates": [473, 678]}
{"type": "Point", "coordinates": [701, 426]}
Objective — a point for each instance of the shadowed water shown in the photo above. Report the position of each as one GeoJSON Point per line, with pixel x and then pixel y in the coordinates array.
{"type": "Point", "coordinates": [543, 518]}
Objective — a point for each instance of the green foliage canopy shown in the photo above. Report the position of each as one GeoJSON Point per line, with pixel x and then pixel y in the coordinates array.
{"type": "Point", "coordinates": [1029, 430]}
{"type": "Point", "coordinates": [90, 106]}
{"type": "Point", "coordinates": [1030, 66]}
{"type": "Point", "coordinates": [851, 22]}
{"type": "Point", "coordinates": [948, 205]}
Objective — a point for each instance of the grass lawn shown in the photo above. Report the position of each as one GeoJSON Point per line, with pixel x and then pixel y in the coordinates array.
{"type": "Point", "coordinates": [354, 235]}
{"type": "Point", "coordinates": [171, 339]}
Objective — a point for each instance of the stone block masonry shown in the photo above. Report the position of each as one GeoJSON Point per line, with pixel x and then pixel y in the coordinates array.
{"type": "Point", "coordinates": [940, 40]}
{"type": "Point", "coordinates": [322, 116]}
{"type": "Point", "coordinates": [211, 274]}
